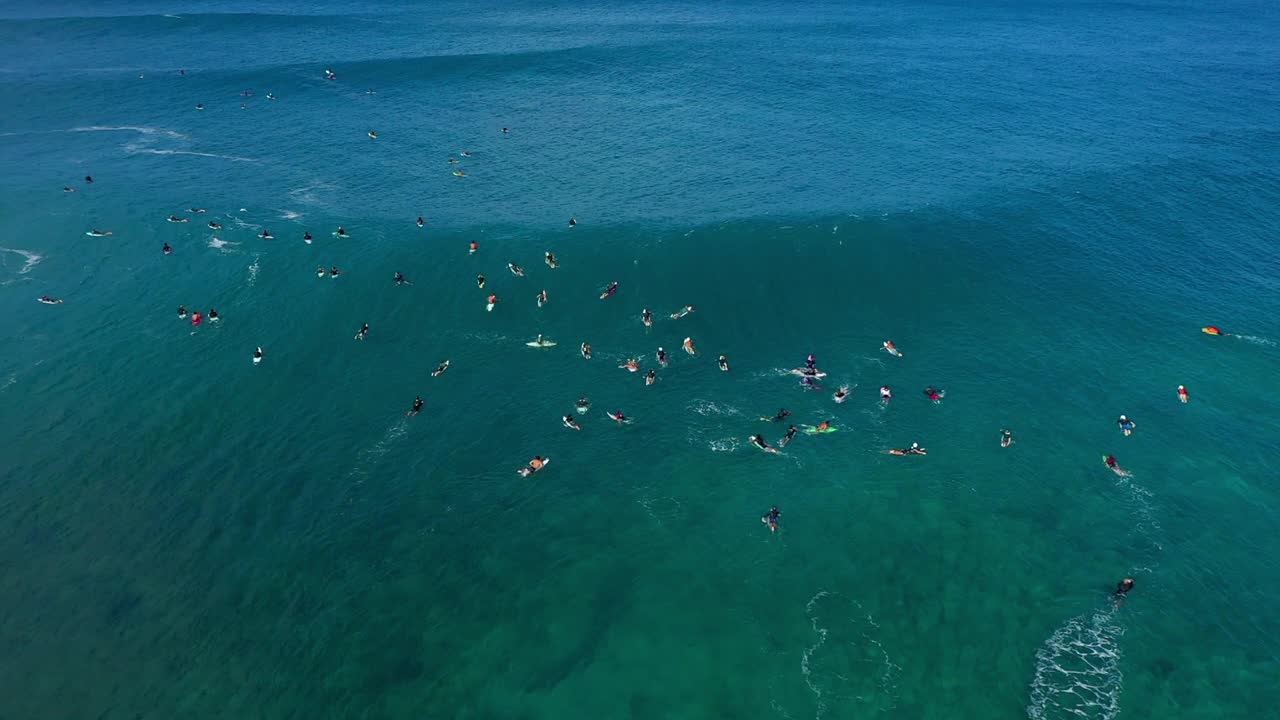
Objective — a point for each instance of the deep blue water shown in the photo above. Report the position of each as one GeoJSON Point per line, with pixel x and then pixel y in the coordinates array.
{"type": "Point", "coordinates": [1040, 203]}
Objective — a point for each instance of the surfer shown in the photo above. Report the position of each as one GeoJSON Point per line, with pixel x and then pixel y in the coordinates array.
{"type": "Point", "coordinates": [811, 362]}
{"type": "Point", "coordinates": [400, 279]}
{"type": "Point", "coordinates": [88, 179]}
{"type": "Point", "coordinates": [822, 426]}
{"type": "Point", "coordinates": [334, 272]}
{"type": "Point", "coordinates": [783, 414]}
{"type": "Point", "coordinates": [197, 210]}
{"type": "Point", "coordinates": [1126, 425]}
{"type": "Point", "coordinates": [586, 351]}
{"type": "Point", "coordinates": [1182, 394]}
{"type": "Point", "coordinates": [492, 301]}
{"type": "Point", "coordinates": [166, 249]}
{"type": "Point", "coordinates": [320, 271]}
{"type": "Point", "coordinates": [213, 315]}
{"type": "Point", "coordinates": [841, 394]}
{"type": "Point", "coordinates": [49, 300]}
{"type": "Point", "coordinates": [771, 518]}
{"type": "Point", "coordinates": [583, 404]}
{"type": "Point", "coordinates": [534, 466]}
{"type": "Point", "coordinates": [271, 96]}
{"type": "Point", "coordinates": [934, 394]}
{"type": "Point", "coordinates": [808, 383]}
{"type": "Point", "coordinates": [364, 330]}
{"type": "Point", "coordinates": [444, 365]}
{"type": "Point", "coordinates": [1110, 460]}
{"type": "Point", "coordinates": [1213, 330]}
{"type": "Point", "coordinates": [651, 377]}
{"type": "Point", "coordinates": [306, 235]}
{"type": "Point", "coordinates": [176, 219]}
{"type": "Point", "coordinates": [474, 247]}
{"type": "Point", "coordinates": [199, 106]}
{"type": "Point", "coordinates": [373, 135]}
{"type": "Point", "coordinates": [266, 234]}
{"type": "Point", "coordinates": [100, 233]}
{"type": "Point", "coordinates": [915, 449]}
{"type": "Point", "coordinates": [1123, 587]}
{"type": "Point", "coordinates": [1006, 438]}
{"type": "Point", "coordinates": [570, 423]}
{"type": "Point", "coordinates": [573, 222]}
{"type": "Point", "coordinates": [551, 260]}
{"type": "Point", "coordinates": [328, 74]}
{"type": "Point", "coordinates": [892, 349]}
{"type": "Point", "coordinates": [257, 356]}
{"type": "Point", "coordinates": [542, 298]}
{"type": "Point", "coordinates": [480, 280]}
{"type": "Point", "coordinates": [504, 131]}
{"type": "Point", "coordinates": [619, 418]}
{"type": "Point", "coordinates": [460, 173]}
{"type": "Point", "coordinates": [340, 232]}
{"type": "Point", "coordinates": [791, 433]}
{"type": "Point", "coordinates": [515, 269]}
{"type": "Point", "coordinates": [182, 311]}
{"type": "Point", "coordinates": [214, 226]}
{"type": "Point", "coordinates": [646, 317]}
{"type": "Point", "coordinates": [662, 357]}
{"type": "Point", "coordinates": [68, 188]}
{"type": "Point", "coordinates": [688, 346]}
{"type": "Point", "coordinates": [724, 363]}
{"type": "Point", "coordinates": [421, 222]}
{"type": "Point", "coordinates": [630, 365]}
{"type": "Point", "coordinates": [681, 313]}
{"type": "Point", "coordinates": [611, 289]}
{"type": "Point", "coordinates": [196, 318]}
{"type": "Point", "coordinates": [453, 161]}
{"type": "Point", "coordinates": [417, 406]}
{"type": "Point", "coordinates": [885, 394]}
{"type": "Point", "coordinates": [758, 441]}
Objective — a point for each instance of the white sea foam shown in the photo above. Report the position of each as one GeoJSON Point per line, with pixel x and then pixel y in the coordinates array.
{"type": "Point", "coordinates": [847, 663]}
{"type": "Point", "coordinates": [134, 148]}
{"type": "Point", "coordinates": [253, 270]}
{"type": "Point", "coordinates": [1078, 670]}
{"type": "Point", "coordinates": [30, 258]}
{"type": "Point", "coordinates": [221, 244]}
{"type": "Point", "coordinates": [728, 444]}
{"type": "Point", "coordinates": [130, 128]}
{"type": "Point", "coordinates": [290, 215]}
{"type": "Point", "coordinates": [709, 407]}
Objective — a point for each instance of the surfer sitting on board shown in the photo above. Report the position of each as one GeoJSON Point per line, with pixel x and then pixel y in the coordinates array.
{"type": "Point", "coordinates": [934, 393]}
{"type": "Point", "coordinates": [586, 351]}
{"type": "Point", "coordinates": [651, 377]}
{"type": "Point", "coordinates": [1006, 438]}
{"type": "Point", "coordinates": [551, 260]}
{"type": "Point", "coordinates": [724, 363]}
{"type": "Point", "coordinates": [1182, 394]}
{"type": "Point", "coordinates": [885, 394]}
{"type": "Point", "coordinates": [480, 280]}
{"type": "Point", "coordinates": [166, 249]}
{"type": "Point", "coordinates": [417, 406]}
{"type": "Point", "coordinates": [646, 317]}
{"type": "Point", "coordinates": [771, 518]}
{"type": "Point", "coordinates": [306, 235]}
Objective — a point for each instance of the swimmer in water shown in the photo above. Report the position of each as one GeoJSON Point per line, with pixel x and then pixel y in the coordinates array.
{"type": "Point", "coordinates": [771, 518]}
{"type": "Point", "coordinates": [515, 269]}
{"type": "Point", "coordinates": [257, 356]}
{"type": "Point", "coordinates": [88, 179]}
{"type": "Point", "coordinates": [651, 377]}
{"type": "Point", "coordinates": [166, 249]}
{"type": "Point", "coordinates": [610, 290]}
{"type": "Point", "coordinates": [723, 362]}
{"type": "Point", "coordinates": [934, 394]}
{"type": "Point", "coordinates": [915, 449]}
{"type": "Point", "coordinates": [570, 423]}
{"type": "Point", "coordinates": [474, 246]}
{"type": "Point", "coordinates": [334, 272]}
{"type": "Point", "coordinates": [1006, 438]}
{"type": "Point", "coordinates": [444, 365]}
{"type": "Point", "coordinates": [551, 260]}
{"type": "Point", "coordinates": [688, 346]}
{"type": "Point", "coordinates": [586, 351]}
{"type": "Point", "coordinates": [662, 357]}
{"type": "Point", "coordinates": [214, 226]}
{"type": "Point", "coordinates": [421, 222]}
{"type": "Point", "coordinates": [213, 315]}
{"type": "Point", "coordinates": [631, 365]}
{"type": "Point", "coordinates": [681, 313]}
{"type": "Point", "coordinates": [362, 332]}
{"type": "Point", "coordinates": [885, 394]}
{"type": "Point", "coordinates": [306, 235]}
{"type": "Point", "coordinates": [758, 441]}
{"type": "Point", "coordinates": [182, 311]}
{"type": "Point", "coordinates": [542, 298]}
{"type": "Point", "coordinates": [417, 406]}
{"type": "Point", "coordinates": [573, 222]}
{"type": "Point", "coordinates": [340, 232]}
{"type": "Point", "coordinates": [480, 280]}
{"type": "Point", "coordinates": [1126, 425]}
{"type": "Point", "coordinates": [1182, 394]}
{"type": "Point", "coordinates": [646, 317]}
{"type": "Point", "coordinates": [400, 279]}
{"type": "Point", "coordinates": [841, 394]}
{"type": "Point", "coordinates": [786, 439]}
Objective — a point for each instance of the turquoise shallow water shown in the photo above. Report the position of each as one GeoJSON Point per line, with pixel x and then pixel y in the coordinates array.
{"type": "Point", "coordinates": [1041, 204]}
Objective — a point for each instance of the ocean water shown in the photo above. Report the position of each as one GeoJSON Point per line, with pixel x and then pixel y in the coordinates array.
{"type": "Point", "coordinates": [1041, 203]}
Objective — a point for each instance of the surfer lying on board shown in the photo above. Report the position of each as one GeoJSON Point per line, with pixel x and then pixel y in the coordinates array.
{"type": "Point", "coordinates": [1110, 460]}
{"type": "Point", "coordinates": [662, 357]}
{"type": "Point", "coordinates": [49, 300]}
{"type": "Point", "coordinates": [515, 269]}
{"type": "Point", "coordinates": [551, 260]}
{"type": "Point", "coordinates": [444, 365]}
{"type": "Point", "coordinates": [586, 351]}
{"type": "Point", "coordinates": [400, 279]}
{"type": "Point", "coordinates": [480, 280]}
{"type": "Point", "coordinates": [651, 377]}
{"type": "Point", "coordinates": [646, 317]}
{"type": "Point", "coordinates": [841, 394]}
{"type": "Point", "coordinates": [619, 418]}
{"type": "Point", "coordinates": [570, 423]}
{"type": "Point", "coordinates": [915, 449]}
{"type": "Point", "coordinates": [534, 466]}
{"type": "Point", "coordinates": [758, 441]}
{"type": "Point", "coordinates": [1006, 438]}
{"type": "Point", "coordinates": [771, 518]}
{"type": "Point", "coordinates": [791, 433]}
{"type": "Point", "coordinates": [610, 290]}
{"type": "Point", "coordinates": [824, 425]}
{"type": "Point", "coordinates": [417, 406]}
{"type": "Point", "coordinates": [892, 349]}
{"type": "Point", "coordinates": [681, 313]}
{"type": "Point", "coordinates": [783, 414]}
{"type": "Point", "coordinates": [724, 363]}
{"type": "Point", "coordinates": [1213, 330]}
{"type": "Point", "coordinates": [1182, 394]}
{"type": "Point", "coordinates": [631, 365]}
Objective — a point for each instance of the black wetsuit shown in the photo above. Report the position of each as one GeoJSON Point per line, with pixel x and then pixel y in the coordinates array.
{"type": "Point", "coordinates": [782, 415]}
{"type": "Point", "coordinates": [791, 432]}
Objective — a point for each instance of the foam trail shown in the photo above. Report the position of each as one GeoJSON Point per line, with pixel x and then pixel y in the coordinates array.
{"type": "Point", "coordinates": [31, 258]}
{"type": "Point", "coordinates": [128, 128]}
{"type": "Point", "coordinates": [847, 662]}
{"type": "Point", "coordinates": [133, 150]}
{"type": "Point", "coordinates": [1078, 670]}
{"type": "Point", "coordinates": [253, 271]}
